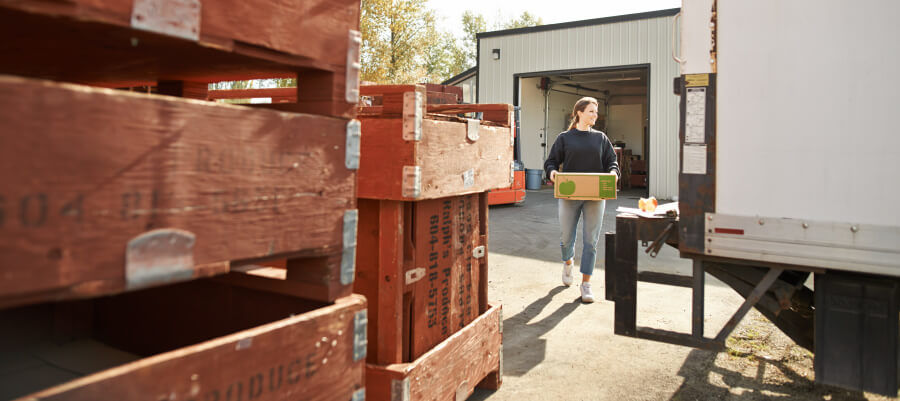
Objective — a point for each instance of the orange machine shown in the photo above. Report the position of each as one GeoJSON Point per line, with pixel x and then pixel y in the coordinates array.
{"type": "Point", "coordinates": [515, 193]}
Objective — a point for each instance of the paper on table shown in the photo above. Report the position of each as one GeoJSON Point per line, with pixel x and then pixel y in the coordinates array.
{"type": "Point", "coordinates": [659, 212]}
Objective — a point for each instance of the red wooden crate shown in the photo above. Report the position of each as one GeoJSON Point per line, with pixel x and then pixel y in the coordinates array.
{"type": "Point", "coordinates": [450, 89]}
{"type": "Point", "coordinates": [408, 155]}
{"type": "Point", "coordinates": [471, 358]}
{"type": "Point", "coordinates": [124, 43]}
{"type": "Point", "coordinates": [105, 190]}
{"type": "Point", "coordinates": [423, 267]}
{"type": "Point", "coordinates": [201, 340]}
{"type": "Point", "coordinates": [638, 180]}
{"type": "Point", "coordinates": [639, 166]}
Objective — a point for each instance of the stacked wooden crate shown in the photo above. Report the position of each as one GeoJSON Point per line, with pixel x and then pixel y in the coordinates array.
{"type": "Point", "coordinates": [423, 235]}
{"type": "Point", "coordinates": [638, 177]}
{"type": "Point", "coordinates": [133, 227]}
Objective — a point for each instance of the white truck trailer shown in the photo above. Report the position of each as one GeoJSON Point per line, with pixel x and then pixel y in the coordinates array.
{"type": "Point", "coordinates": [790, 166]}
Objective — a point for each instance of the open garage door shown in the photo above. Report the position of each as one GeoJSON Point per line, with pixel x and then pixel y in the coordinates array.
{"type": "Point", "coordinates": [546, 101]}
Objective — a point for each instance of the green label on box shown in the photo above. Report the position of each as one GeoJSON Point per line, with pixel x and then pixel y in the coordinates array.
{"type": "Point", "coordinates": [607, 188]}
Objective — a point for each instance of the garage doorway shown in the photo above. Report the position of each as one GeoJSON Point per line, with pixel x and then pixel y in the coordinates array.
{"type": "Point", "coordinates": [623, 93]}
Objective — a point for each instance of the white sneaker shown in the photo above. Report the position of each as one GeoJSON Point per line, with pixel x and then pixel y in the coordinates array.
{"type": "Point", "coordinates": [587, 296]}
{"type": "Point", "coordinates": [567, 272]}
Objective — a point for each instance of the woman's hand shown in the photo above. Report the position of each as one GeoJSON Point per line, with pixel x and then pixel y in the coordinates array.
{"type": "Point", "coordinates": [553, 176]}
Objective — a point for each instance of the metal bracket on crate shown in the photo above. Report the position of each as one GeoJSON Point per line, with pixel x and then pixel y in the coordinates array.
{"type": "Point", "coordinates": [462, 391]}
{"type": "Point", "coordinates": [348, 258]}
{"type": "Point", "coordinates": [500, 369]}
{"type": "Point", "coordinates": [472, 127]}
{"type": "Point", "coordinates": [359, 395]}
{"type": "Point", "coordinates": [179, 18]}
{"type": "Point", "coordinates": [412, 116]}
{"type": "Point", "coordinates": [400, 390]}
{"type": "Point", "coordinates": [360, 339]}
{"type": "Point", "coordinates": [158, 257]}
{"type": "Point", "coordinates": [512, 172]}
{"type": "Point", "coordinates": [415, 275]}
{"type": "Point", "coordinates": [353, 66]}
{"type": "Point", "coordinates": [412, 182]}
{"type": "Point", "coordinates": [468, 178]}
{"type": "Point", "coordinates": [351, 159]}
{"type": "Point", "coordinates": [478, 252]}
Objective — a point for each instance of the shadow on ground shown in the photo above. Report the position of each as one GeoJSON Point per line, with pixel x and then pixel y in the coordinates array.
{"type": "Point", "coordinates": [706, 379]}
{"type": "Point", "coordinates": [523, 347]}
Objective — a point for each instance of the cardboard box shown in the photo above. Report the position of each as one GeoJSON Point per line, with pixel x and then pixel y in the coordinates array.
{"type": "Point", "coordinates": [585, 186]}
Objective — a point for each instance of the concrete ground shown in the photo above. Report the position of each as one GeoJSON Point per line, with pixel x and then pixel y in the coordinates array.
{"type": "Point", "coordinates": [556, 348]}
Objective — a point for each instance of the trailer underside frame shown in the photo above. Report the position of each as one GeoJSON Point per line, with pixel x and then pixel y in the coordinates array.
{"type": "Point", "coordinates": [774, 290]}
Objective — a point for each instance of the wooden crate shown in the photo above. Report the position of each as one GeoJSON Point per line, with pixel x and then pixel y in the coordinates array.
{"type": "Point", "coordinates": [623, 156]}
{"type": "Point", "coordinates": [410, 155]}
{"type": "Point", "coordinates": [639, 166]}
{"type": "Point", "coordinates": [120, 43]}
{"type": "Point", "coordinates": [201, 340]}
{"type": "Point", "coordinates": [451, 370]}
{"type": "Point", "coordinates": [445, 89]}
{"type": "Point", "coordinates": [91, 177]}
{"type": "Point", "coordinates": [423, 267]}
{"type": "Point", "coordinates": [638, 180]}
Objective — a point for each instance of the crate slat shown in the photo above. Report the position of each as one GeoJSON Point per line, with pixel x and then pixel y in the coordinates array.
{"type": "Point", "coordinates": [198, 340]}
{"type": "Point", "coordinates": [451, 370]}
{"type": "Point", "coordinates": [87, 170]}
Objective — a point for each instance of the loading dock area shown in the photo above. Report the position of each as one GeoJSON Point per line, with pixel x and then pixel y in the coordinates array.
{"type": "Point", "coordinates": [625, 62]}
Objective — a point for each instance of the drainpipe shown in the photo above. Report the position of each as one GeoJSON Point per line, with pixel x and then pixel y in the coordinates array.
{"type": "Point", "coordinates": [546, 121]}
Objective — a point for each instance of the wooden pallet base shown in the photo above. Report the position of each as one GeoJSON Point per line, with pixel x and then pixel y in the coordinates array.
{"type": "Point", "coordinates": [451, 370]}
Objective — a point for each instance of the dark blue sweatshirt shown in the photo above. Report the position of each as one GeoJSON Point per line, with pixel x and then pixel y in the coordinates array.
{"type": "Point", "coordinates": [582, 152]}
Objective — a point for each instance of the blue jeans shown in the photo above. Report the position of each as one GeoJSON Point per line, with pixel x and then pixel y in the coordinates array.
{"type": "Point", "coordinates": [569, 213]}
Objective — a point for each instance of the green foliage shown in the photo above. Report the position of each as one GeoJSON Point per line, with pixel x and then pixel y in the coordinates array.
{"type": "Point", "coordinates": [525, 20]}
{"type": "Point", "coordinates": [474, 23]}
{"type": "Point", "coordinates": [394, 36]}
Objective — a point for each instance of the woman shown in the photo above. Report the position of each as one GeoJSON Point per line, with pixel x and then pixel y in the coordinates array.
{"type": "Point", "coordinates": [581, 149]}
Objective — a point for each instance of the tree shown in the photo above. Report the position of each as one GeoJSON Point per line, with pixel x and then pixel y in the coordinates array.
{"type": "Point", "coordinates": [395, 34]}
{"type": "Point", "coordinates": [402, 44]}
{"type": "Point", "coordinates": [440, 57]}
{"type": "Point", "coordinates": [474, 23]}
{"type": "Point", "coordinates": [525, 20]}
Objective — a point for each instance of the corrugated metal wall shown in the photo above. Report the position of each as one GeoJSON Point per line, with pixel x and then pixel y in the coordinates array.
{"type": "Point", "coordinates": [645, 41]}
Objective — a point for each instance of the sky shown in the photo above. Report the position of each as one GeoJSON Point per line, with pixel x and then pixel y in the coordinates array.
{"type": "Point", "coordinates": [551, 11]}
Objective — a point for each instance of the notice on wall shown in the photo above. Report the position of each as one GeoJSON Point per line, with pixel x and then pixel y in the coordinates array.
{"type": "Point", "coordinates": [694, 159]}
{"type": "Point", "coordinates": [695, 116]}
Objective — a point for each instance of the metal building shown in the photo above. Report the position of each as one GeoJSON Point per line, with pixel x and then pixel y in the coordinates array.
{"type": "Point", "coordinates": [626, 62]}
